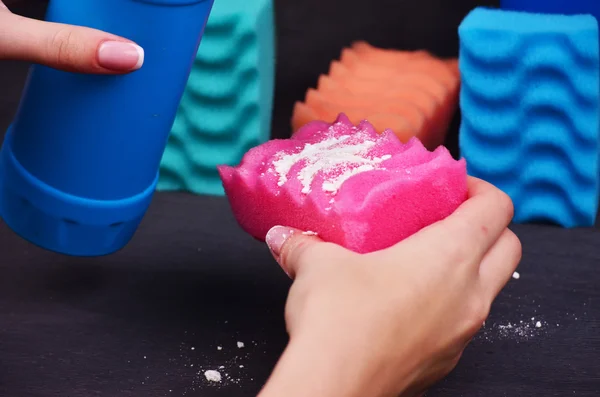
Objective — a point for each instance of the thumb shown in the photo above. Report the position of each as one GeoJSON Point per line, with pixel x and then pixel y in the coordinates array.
{"type": "Point", "coordinates": [293, 248]}
{"type": "Point", "coordinates": [66, 47]}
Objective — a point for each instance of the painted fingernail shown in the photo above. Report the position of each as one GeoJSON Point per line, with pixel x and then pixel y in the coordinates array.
{"type": "Point", "coordinates": [276, 237]}
{"type": "Point", "coordinates": [118, 55]}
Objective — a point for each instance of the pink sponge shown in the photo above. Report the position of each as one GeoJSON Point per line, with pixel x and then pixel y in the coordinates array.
{"type": "Point", "coordinates": [350, 185]}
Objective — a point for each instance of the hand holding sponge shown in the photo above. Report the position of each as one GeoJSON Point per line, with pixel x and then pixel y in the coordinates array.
{"type": "Point", "coordinates": [351, 185]}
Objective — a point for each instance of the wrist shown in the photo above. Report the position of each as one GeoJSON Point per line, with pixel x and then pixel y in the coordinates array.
{"type": "Point", "coordinates": [329, 367]}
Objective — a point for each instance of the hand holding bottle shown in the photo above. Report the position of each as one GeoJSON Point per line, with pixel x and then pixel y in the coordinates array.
{"type": "Point", "coordinates": [66, 47]}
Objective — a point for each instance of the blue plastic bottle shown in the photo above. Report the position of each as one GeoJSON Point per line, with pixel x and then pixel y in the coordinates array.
{"type": "Point", "coordinates": [79, 165]}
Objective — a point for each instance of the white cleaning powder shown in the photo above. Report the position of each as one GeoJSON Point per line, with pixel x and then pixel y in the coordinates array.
{"type": "Point", "coordinates": [330, 155]}
{"type": "Point", "coordinates": [212, 375]}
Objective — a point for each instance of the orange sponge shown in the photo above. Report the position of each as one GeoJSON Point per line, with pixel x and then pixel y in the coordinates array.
{"type": "Point", "coordinates": [411, 93]}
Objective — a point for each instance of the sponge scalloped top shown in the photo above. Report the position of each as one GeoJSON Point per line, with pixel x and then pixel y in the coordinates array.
{"type": "Point", "coordinates": [349, 184]}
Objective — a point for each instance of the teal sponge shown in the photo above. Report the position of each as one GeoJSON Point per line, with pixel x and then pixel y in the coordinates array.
{"type": "Point", "coordinates": [227, 105]}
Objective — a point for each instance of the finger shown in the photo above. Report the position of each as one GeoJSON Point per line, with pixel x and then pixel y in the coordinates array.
{"type": "Point", "coordinates": [297, 251]}
{"type": "Point", "coordinates": [499, 264]}
{"type": "Point", "coordinates": [66, 47]}
{"type": "Point", "coordinates": [469, 232]}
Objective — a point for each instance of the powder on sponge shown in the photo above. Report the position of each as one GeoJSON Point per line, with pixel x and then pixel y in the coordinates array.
{"type": "Point", "coordinates": [337, 157]}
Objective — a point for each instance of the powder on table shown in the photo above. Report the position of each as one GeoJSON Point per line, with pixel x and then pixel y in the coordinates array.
{"type": "Point", "coordinates": [212, 375]}
{"type": "Point", "coordinates": [521, 330]}
{"type": "Point", "coordinates": [240, 345]}
{"type": "Point", "coordinates": [516, 275]}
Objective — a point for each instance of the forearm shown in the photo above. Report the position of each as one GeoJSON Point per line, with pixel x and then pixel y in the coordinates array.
{"type": "Point", "coordinates": [312, 369]}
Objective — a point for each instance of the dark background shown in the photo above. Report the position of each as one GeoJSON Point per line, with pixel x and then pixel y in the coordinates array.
{"type": "Point", "coordinates": [145, 321]}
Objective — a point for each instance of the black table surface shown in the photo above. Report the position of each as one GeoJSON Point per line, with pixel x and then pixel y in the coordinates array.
{"type": "Point", "coordinates": [150, 319]}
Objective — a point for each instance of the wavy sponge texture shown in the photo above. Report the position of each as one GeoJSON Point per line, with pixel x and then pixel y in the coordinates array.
{"type": "Point", "coordinates": [529, 102]}
{"type": "Point", "coordinates": [226, 107]}
{"type": "Point", "coordinates": [412, 93]}
{"type": "Point", "coordinates": [349, 184]}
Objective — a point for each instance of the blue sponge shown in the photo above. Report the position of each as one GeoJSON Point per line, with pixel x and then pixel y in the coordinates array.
{"type": "Point", "coordinates": [227, 105]}
{"type": "Point", "coordinates": [530, 111]}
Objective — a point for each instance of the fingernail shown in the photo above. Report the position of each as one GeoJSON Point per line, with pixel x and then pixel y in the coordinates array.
{"type": "Point", "coordinates": [118, 55]}
{"type": "Point", "coordinates": [276, 237]}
